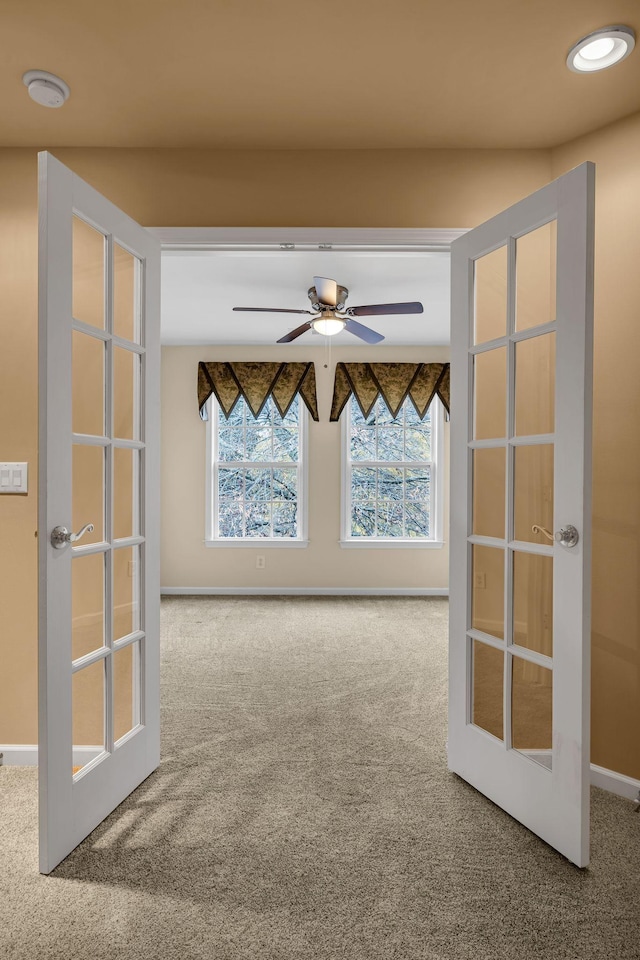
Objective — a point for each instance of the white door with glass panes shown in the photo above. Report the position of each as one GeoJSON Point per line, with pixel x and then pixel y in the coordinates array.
{"type": "Point", "coordinates": [99, 594]}
{"type": "Point", "coordinates": [522, 318]}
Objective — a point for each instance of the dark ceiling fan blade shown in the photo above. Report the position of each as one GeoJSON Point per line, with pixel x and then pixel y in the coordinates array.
{"type": "Point", "coordinates": [295, 333]}
{"type": "Point", "coordinates": [386, 309]}
{"type": "Point", "coordinates": [327, 290]}
{"type": "Point", "coordinates": [269, 310]}
{"type": "Point", "coordinates": [365, 333]}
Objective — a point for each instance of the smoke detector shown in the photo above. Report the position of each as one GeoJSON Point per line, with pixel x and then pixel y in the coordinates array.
{"type": "Point", "coordinates": [45, 88]}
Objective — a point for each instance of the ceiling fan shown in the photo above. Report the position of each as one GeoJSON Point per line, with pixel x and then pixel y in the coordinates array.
{"type": "Point", "coordinates": [329, 313]}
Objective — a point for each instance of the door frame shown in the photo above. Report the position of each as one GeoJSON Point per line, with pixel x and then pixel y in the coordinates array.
{"type": "Point", "coordinates": [296, 239]}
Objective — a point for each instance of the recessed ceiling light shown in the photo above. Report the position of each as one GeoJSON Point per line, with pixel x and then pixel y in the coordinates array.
{"type": "Point", "coordinates": [45, 88]}
{"type": "Point", "coordinates": [601, 49]}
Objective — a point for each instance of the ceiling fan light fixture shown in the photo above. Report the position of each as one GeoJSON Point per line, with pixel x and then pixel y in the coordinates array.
{"type": "Point", "coordinates": [328, 326]}
{"type": "Point", "coordinates": [601, 49]}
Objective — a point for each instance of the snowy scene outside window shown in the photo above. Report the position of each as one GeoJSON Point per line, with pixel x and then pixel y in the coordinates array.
{"type": "Point", "coordinates": [390, 473]}
{"type": "Point", "coordinates": [257, 476]}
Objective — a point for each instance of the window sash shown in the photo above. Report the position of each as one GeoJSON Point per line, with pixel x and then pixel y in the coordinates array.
{"type": "Point", "coordinates": [214, 465]}
{"type": "Point", "coordinates": [433, 464]}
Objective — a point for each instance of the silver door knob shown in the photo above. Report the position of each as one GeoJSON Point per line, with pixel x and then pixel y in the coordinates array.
{"type": "Point", "coordinates": [566, 536]}
{"type": "Point", "coordinates": [60, 536]}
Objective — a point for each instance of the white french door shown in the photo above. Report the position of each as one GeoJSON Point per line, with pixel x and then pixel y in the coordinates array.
{"type": "Point", "coordinates": [522, 319]}
{"type": "Point", "coordinates": [99, 364]}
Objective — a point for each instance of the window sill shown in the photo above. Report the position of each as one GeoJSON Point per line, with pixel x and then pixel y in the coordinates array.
{"type": "Point", "coordinates": [257, 543]}
{"type": "Point", "coordinates": [372, 543]}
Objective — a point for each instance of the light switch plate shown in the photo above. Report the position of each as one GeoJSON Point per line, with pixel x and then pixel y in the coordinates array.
{"type": "Point", "coordinates": [13, 478]}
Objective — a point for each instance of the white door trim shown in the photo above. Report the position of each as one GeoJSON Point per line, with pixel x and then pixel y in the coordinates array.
{"type": "Point", "coordinates": [368, 240]}
{"type": "Point", "coordinates": [307, 591]}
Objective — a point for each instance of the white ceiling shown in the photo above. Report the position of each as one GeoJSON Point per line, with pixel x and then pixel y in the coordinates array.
{"type": "Point", "coordinates": [199, 290]}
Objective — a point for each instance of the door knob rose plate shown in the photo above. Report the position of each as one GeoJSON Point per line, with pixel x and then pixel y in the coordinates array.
{"type": "Point", "coordinates": [566, 536]}
{"type": "Point", "coordinates": [60, 536]}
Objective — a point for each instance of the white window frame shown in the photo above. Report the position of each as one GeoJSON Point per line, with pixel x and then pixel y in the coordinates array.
{"type": "Point", "coordinates": [211, 538]}
{"type": "Point", "coordinates": [436, 541]}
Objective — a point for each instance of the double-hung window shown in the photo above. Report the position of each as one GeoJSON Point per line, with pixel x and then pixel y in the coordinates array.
{"type": "Point", "coordinates": [256, 476]}
{"type": "Point", "coordinates": [391, 476]}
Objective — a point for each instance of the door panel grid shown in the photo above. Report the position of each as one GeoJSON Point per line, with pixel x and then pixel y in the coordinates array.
{"type": "Point", "coordinates": [492, 559]}
{"type": "Point", "coordinates": [99, 597]}
{"type": "Point", "coordinates": [520, 463]}
{"type": "Point", "coordinates": [122, 364]}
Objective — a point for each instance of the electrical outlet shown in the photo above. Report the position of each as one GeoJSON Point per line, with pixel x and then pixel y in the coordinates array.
{"type": "Point", "coordinates": [480, 581]}
{"type": "Point", "coordinates": [261, 563]}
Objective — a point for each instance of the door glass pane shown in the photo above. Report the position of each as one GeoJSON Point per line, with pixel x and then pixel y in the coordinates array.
{"type": "Point", "coordinates": [126, 478]}
{"type": "Point", "coordinates": [533, 602]}
{"type": "Point", "coordinates": [87, 604]}
{"type": "Point", "coordinates": [125, 394]}
{"type": "Point", "coordinates": [535, 385]}
{"type": "Point", "coordinates": [533, 492]}
{"type": "Point", "coordinates": [531, 699]}
{"type": "Point", "coordinates": [87, 384]}
{"type": "Point", "coordinates": [490, 289]}
{"type": "Point", "coordinates": [488, 590]}
{"type": "Point", "coordinates": [126, 700]}
{"type": "Point", "coordinates": [88, 491]}
{"type": "Point", "coordinates": [87, 692]}
{"type": "Point", "coordinates": [536, 277]}
{"type": "Point", "coordinates": [490, 394]}
{"type": "Point", "coordinates": [88, 274]}
{"type": "Point", "coordinates": [126, 309]}
{"type": "Point", "coordinates": [488, 686]}
{"type": "Point", "coordinates": [126, 568]}
{"type": "Point", "coordinates": [489, 492]}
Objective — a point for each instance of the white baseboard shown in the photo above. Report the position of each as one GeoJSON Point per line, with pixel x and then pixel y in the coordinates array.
{"type": "Point", "coordinates": [617, 783]}
{"type": "Point", "coordinates": [19, 755]}
{"type": "Point", "coordinates": [26, 755]}
{"type": "Point", "coordinates": [309, 591]}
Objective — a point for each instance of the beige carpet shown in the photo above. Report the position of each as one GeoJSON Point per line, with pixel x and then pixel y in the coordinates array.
{"type": "Point", "coordinates": [303, 810]}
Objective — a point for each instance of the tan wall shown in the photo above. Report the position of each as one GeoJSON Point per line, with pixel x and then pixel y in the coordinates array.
{"type": "Point", "coordinates": [616, 461]}
{"type": "Point", "coordinates": [185, 559]}
{"type": "Point", "coordinates": [387, 188]}
{"type": "Point", "coordinates": [18, 441]}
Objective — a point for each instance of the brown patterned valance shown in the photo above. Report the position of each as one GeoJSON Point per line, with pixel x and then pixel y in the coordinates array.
{"type": "Point", "coordinates": [256, 382]}
{"type": "Point", "coordinates": [394, 382]}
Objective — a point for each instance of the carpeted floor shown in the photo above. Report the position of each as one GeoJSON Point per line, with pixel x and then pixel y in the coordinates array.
{"type": "Point", "coordinates": [303, 810]}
